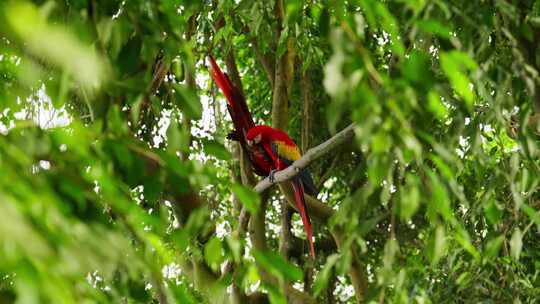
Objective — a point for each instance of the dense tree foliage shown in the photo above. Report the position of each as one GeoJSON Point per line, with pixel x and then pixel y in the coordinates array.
{"type": "Point", "coordinates": [117, 182]}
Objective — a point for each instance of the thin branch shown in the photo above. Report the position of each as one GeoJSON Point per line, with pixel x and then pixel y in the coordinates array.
{"type": "Point", "coordinates": [311, 155]}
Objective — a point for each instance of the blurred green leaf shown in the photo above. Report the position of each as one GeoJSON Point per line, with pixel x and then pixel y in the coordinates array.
{"type": "Point", "coordinates": [455, 64]}
{"type": "Point", "coordinates": [213, 253]}
{"type": "Point", "coordinates": [249, 198]}
{"type": "Point", "coordinates": [128, 58]}
{"type": "Point", "coordinates": [188, 101]}
{"type": "Point", "coordinates": [516, 244]}
{"type": "Point", "coordinates": [493, 246]}
{"type": "Point", "coordinates": [410, 197]}
{"type": "Point", "coordinates": [378, 169]}
{"type": "Point", "coordinates": [323, 277]}
{"type": "Point", "coordinates": [54, 43]}
{"type": "Point", "coordinates": [463, 238]}
{"type": "Point", "coordinates": [381, 142]}
{"type": "Point", "coordinates": [216, 149]}
{"type": "Point", "coordinates": [275, 295]}
{"type": "Point", "coordinates": [434, 27]}
{"type": "Point", "coordinates": [176, 139]}
{"type": "Point", "coordinates": [277, 266]}
{"type": "Point", "coordinates": [492, 212]}
{"type": "Point", "coordinates": [436, 246]}
{"type": "Point", "coordinates": [439, 200]}
{"type": "Point", "coordinates": [436, 106]}
{"type": "Point", "coordinates": [417, 69]}
{"type": "Point", "coordinates": [378, 14]}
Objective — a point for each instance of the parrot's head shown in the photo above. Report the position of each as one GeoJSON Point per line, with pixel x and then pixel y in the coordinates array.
{"type": "Point", "coordinates": [256, 134]}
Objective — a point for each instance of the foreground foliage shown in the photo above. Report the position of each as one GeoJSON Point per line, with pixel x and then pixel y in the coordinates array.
{"type": "Point", "coordinates": [117, 183]}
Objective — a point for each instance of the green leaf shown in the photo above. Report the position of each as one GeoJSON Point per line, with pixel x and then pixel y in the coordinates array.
{"type": "Point", "coordinates": [436, 106]}
{"type": "Point", "coordinates": [493, 247]}
{"type": "Point", "coordinates": [391, 248]}
{"type": "Point", "coordinates": [213, 253]}
{"type": "Point", "coordinates": [321, 281]}
{"type": "Point", "coordinates": [377, 14]}
{"type": "Point", "coordinates": [275, 295]}
{"type": "Point", "coordinates": [182, 294]}
{"type": "Point", "coordinates": [177, 138]}
{"type": "Point", "coordinates": [216, 149]}
{"type": "Point", "coordinates": [463, 238]}
{"type": "Point", "coordinates": [516, 244]}
{"type": "Point", "coordinates": [417, 69]}
{"type": "Point", "coordinates": [324, 22]}
{"type": "Point", "coordinates": [378, 166]}
{"type": "Point", "coordinates": [381, 142]}
{"type": "Point", "coordinates": [235, 246]}
{"type": "Point", "coordinates": [252, 275]}
{"type": "Point", "coordinates": [455, 64]}
{"type": "Point", "coordinates": [181, 239]}
{"type": "Point", "coordinates": [492, 212]}
{"type": "Point", "coordinates": [409, 198]}
{"type": "Point", "coordinates": [436, 246]}
{"type": "Point", "coordinates": [293, 9]}
{"type": "Point", "coordinates": [174, 137]}
{"type": "Point", "coordinates": [188, 101]}
{"type": "Point", "coordinates": [434, 27]}
{"type": "Point", "coordinates": [116, 121]}
{"type": "Point", "coordinates": [277, 266]}
{"type": "Point", "coordinates": [282, 43]}
{"type": "Point", "coordinates": [128, 58]}
{"type": "Point", "coordinates": [439, 200]}
{"type": "Point", "coordinates": [532, 213]}
{"type": "Point", "coordinates": [247, 196]}
{"type": "Point", "coordinates": [55, 43]}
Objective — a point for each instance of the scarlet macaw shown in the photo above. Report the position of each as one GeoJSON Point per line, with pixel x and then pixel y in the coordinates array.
{"type": "Point", "coordinates": [284, 152]}
{"type": "Point", "coordinates": [266, 155]}
{"type": "Point", "coordinates": [242, 121]}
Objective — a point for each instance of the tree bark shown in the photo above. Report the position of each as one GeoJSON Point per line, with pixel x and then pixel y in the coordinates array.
{"type": "Point", "coordinates": [307, 101]}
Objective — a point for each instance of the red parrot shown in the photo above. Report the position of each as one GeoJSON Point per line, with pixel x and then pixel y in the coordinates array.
{"type": "Point", "coordinates": [242, 121]}
{"type": "Point", "coordinates": [284, 152]}
{"type": "Point", "coordinates": [268, 149]}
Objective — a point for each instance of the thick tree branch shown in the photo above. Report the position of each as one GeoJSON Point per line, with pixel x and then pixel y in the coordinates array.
{"type": "Point", "coordinates": [318, 209]}
{"type": "Point", "coordinates": [307, 102]}
{"type": "Point", "coordinates": [280, 99]}
{"type": "Point", "coordinates": [311, 155]}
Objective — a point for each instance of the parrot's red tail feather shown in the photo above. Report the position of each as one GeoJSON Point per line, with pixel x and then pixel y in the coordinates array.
{"type": "Point", "coordinates": [302, 209]}
{"type": "Point", "coordinates": [221, 80]}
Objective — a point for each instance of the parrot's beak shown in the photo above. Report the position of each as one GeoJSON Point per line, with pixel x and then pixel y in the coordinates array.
{"type": "Point", "coordinates": [250, 142]}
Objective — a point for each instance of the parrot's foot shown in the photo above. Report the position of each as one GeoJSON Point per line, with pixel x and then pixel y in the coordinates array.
{"type": "Point", "coordinates": [271, 176]}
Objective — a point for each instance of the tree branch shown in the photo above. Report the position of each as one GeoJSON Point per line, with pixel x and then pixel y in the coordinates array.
{"type": "Point", "coordinates": [307, 101]}
{"type": "Point", "coordinates": [311, 155]}
{"type": "Point", "coordinates": [318, 209]}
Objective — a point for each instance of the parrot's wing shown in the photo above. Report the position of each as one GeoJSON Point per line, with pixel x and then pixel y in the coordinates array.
{"type": "Point", "coordinates": [285, 153]}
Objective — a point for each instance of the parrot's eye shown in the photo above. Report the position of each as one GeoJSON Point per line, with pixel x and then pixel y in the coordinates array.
{"type": "Point", "coordinates": [257, 139]}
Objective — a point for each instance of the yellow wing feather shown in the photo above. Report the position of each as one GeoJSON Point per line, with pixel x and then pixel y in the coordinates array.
{"type": "Point", "coordinates": [290, 152]}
